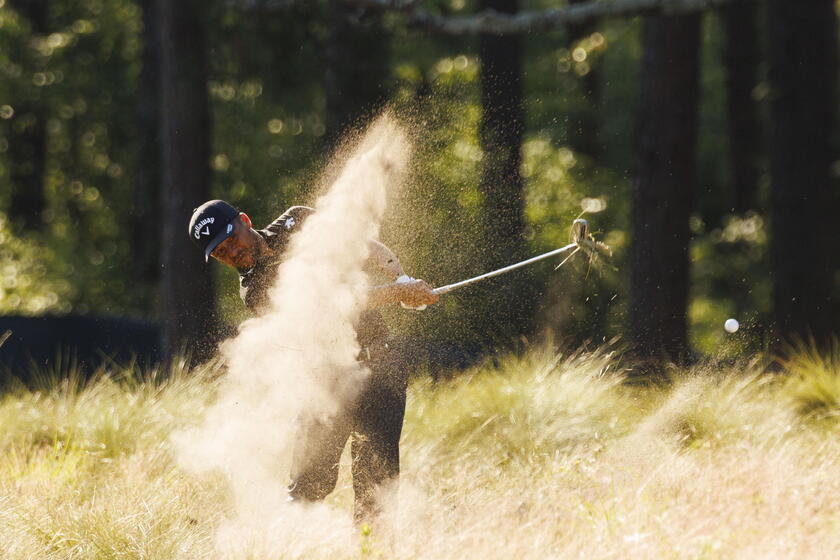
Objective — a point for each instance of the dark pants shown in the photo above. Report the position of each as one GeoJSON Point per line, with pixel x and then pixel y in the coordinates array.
{"type": "Point", "coordinates": [374, 419]}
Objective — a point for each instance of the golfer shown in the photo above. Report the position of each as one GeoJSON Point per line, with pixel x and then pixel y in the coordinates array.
{"type": "Point", "coordinates": [375, 418]}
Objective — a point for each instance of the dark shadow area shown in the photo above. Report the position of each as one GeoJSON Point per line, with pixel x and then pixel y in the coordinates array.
{"type": "Point", "coordinates": [52, 342]}
{"type": "Point", "coordinates": [57, 344]}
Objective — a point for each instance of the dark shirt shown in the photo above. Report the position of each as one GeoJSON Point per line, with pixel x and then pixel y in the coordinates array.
{"type": "Point", "coordinates": [254, 284]}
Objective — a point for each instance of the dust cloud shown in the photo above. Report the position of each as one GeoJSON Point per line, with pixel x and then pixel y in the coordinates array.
{"type": "Point", "coordinates": [299, 356]}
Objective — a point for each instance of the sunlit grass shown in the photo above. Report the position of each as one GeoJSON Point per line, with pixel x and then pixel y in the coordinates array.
{"type": "Point", "coordinates": [535, 456]}
{"type": "Point", "coordinates": [814, 383]}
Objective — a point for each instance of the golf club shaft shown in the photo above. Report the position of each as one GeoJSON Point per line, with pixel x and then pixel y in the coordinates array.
{"type": "Point", "coordinates": [448, 288]}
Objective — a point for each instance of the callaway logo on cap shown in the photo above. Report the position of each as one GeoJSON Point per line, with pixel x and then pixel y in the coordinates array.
{"type": "Point", "coordinates": [212, 223]}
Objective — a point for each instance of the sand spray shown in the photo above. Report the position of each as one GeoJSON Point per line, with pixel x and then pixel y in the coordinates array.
{"type": "Point", "coordinates": [301, 355]}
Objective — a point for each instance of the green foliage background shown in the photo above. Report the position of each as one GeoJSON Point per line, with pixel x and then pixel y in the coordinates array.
{"type": "Point", "coordinates": [267, 112]}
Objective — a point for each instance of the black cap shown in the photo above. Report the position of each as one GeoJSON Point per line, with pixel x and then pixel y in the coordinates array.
{"type": "Point", "coordinates": [212, 223]}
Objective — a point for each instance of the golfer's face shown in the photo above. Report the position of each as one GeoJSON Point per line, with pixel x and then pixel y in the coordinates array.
{"type": "Point", "coordinates": [239, 250]}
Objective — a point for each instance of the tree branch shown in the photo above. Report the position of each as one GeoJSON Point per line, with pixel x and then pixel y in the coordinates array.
{"type": "Point", "coordinates": [495, 23]}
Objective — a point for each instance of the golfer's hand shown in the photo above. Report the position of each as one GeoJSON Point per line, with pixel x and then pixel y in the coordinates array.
{"type": "Point", "coordinates": [416, 293]}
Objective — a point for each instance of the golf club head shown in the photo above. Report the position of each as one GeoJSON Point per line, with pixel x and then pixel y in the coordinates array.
{"type": "Point", "coordinates": [580, 231]}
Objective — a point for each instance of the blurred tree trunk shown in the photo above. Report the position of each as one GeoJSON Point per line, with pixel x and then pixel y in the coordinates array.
{"type": "Point", "coordinates": [741, 59]}
{"type": "Point", "coordinates": [585, 125]}
{"type": "Point", "coordinates": [356, 68]}
{"type": "Point", "coordinates": [145, 241]}
{"type": "Point", "coordinates": [568, 312]}
{"type": "Point", "coordinates": [28, 145]}
{"type": "Point", "coordinates": [187, 294]}
{"type": "Point", "coordinates": [500, 136]}
{"type": "Point", "coordinates": [802, 38]}
{"type": "Point", "coordinates": [662, 197]}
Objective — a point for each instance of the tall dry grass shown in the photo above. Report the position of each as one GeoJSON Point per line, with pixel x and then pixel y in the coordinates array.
{"type": "Point", "coordinates": [539, 456]}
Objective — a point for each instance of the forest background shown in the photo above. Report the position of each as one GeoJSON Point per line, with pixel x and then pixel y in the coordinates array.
{"type": "Point", "coordinates": [701, 144]}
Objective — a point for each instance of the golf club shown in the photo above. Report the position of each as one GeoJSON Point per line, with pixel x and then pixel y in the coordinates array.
{"type": "Point", "coordinates": [581, 240]}
{"type": "Point", "coordinates": [579, 236]}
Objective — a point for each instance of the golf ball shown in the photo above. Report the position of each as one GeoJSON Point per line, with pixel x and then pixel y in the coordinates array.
{"type": "Point", "coordinates": [731, 325]}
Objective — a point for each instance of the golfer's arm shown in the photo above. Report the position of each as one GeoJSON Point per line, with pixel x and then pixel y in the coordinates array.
{"type": "Point", "coordinates": [383, 261]}
{"type": "Point", "coordinates": [383, 295]}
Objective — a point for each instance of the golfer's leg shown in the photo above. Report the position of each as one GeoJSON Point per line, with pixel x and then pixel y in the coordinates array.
{"type": "Point", "coordinates": [376, 439]}
{"type": "Point", "coordinates": [315, 461]}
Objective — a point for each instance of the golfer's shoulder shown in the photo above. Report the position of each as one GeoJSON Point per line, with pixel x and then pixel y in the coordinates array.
{"type": "Point", "coordinates": [289, 220]}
